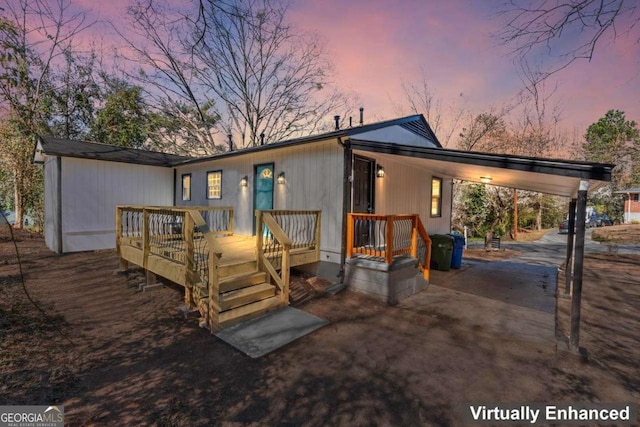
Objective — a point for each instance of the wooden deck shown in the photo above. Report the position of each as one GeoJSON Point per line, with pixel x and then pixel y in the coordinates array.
{"type": "Point", "coordinates": [228, 277]}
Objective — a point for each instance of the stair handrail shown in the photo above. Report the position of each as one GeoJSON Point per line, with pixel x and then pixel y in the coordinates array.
{"type": "Point", "coordinates": [212, 259]}
{"type": "Point", "coordinates": [264, 263]}
{"type": "Point", "coordinates": [425, 263]}
{"type": "Point", "coordinates": [385, 248]}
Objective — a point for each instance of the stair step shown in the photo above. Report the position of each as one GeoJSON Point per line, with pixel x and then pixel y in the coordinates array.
{"type": "Point", "coordinates": [243, 296]}
{"type": "Point", "coordinates": [249, 311]}
{"type": "Point", "coordinates": [231, 283]}
{"type": "Point", "coordinates": [236, 269]}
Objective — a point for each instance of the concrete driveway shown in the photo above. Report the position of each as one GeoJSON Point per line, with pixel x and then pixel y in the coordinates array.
{"type": "Point", "coordinates": [514, 298]}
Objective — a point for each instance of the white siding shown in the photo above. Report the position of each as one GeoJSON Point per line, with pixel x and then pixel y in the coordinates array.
{"type": "Point", "coordinates": [630, 217]}
{"type": "Point", "coordinates": [91, 190]}
{"type": "Point", "coordinates": [406, 189]}
{"type": "Point", "coordinates": [396, 134]}
{"type": "Point", "coordinates": [51, 203]}
{"type": "Point", "coordinates": [313, 175]}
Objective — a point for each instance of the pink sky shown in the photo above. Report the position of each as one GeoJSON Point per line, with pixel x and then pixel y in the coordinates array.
{"type": "Point", "coordinates": [375, 44]}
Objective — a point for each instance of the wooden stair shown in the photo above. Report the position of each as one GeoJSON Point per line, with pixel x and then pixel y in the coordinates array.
{"type": "Point", "coordinates": [243, 296]}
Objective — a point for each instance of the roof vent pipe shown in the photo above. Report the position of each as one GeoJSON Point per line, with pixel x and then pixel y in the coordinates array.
{"type": "Point", "coordinates": [361, 116]}
{"type": "Point", "coordinates": [230, 142]}
{"type": "Point", "coordinates": [350, 122]}
{"type": "Point", "coordinates": [337, 119]}
{"type": "Point", "coordinates": [262, 138]}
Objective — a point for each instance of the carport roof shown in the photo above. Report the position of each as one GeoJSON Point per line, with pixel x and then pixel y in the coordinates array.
{"type": "Point", "coordinates": [551, 176]}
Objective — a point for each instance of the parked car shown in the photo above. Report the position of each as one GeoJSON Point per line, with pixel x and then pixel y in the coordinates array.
{"type": "Point", "coordinates": [603, 220]}
{"type": "Point", "coordinates": [563, 227]}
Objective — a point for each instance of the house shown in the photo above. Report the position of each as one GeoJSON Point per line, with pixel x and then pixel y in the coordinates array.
{"type": "Point", "coordinates": [85, 181]}
{"type": "Point", "coordinates": [358, 202]}
{"type": "Point", "coordinates": [631, 204]}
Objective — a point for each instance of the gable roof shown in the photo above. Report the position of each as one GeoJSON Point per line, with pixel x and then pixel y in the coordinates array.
{"type": "Point", "coordinates": [416, 124]}
{"type": "Point", "coordinates": [111, 153]}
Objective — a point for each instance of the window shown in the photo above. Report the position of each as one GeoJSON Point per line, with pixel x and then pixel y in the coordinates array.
{"type": "Point", "coordinates": [436, 197]}
{"type": "Point", "coordinates": [214, 185]}
{"type": "Point", "coordinates": [635, 197]}
{"type": "Point", "coordinates": [186, 186]}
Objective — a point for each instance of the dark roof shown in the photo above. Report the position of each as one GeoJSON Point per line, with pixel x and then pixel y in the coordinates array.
{"type": "Point", "coordinates": [567, 168]}
{"type": "Point", "coordinates": [111, 153]}
{"type": "Point", "coordinates": [416, 124]}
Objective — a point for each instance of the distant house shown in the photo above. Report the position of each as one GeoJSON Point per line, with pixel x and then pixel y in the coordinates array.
{"type": "Point", "coordinates": [631, 204]}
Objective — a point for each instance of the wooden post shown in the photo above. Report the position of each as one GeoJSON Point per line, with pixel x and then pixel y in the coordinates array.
{"type": "Point", "coordinates": [285, 273]}
{"type": "Point", "coordinates": [187, 229]}
{"type": "Point", "coordinates": [515, 214]}
{"type": "Point", "coordinates": [259, 240]}
{"type": "Point", "coordinates": [350, 223]}
{"type": "Point", "coordinates": [389, 241]}
{"type": "Point", "coordinates": [414, 236]}
{"type": "Point", "coordinates": [230, 221]}
{"type": "Point", "coordinates": [145, 238]}
{"type": "Point", "coordinates": [214, 292]}
{"type": "Point", "coordinates": [317, 233]}
{"type": "Point", "coordinates": [568, 270]}
{"type": "Point", "coordinates": [576, 294]}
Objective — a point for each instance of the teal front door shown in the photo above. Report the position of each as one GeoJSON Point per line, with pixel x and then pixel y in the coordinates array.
{"type": "Point", "coordinates": [262, 188]}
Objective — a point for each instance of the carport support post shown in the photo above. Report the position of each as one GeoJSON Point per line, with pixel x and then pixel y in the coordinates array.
{"type": "Point", "coordinates": [576, 295]}
{"type": "Point", "coordinates": [568, 270]}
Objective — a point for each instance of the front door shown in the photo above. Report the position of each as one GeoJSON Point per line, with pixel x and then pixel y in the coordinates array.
{"type": "Point", "coordinates": [262, 188]}
{"type": "Point", "coordinates": [363, 199]}
{"type": "Point", "coordinates": [363, 184]}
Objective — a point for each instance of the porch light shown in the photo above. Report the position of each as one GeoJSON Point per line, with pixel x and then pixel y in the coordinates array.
{"type": "Point", "coordinates": [379, 171]}
{"type": "Point", "coordinates": [485, 179]}
{"type": "Point", "coordinates": [244, 181]}
{"type": "Point", "coordinates": [281, 178]}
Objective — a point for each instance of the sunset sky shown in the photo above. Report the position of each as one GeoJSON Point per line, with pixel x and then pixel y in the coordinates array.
{"type": "Point", "coordinates": [376, 44]}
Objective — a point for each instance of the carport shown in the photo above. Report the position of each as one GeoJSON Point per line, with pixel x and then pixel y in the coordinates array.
{"type": "Point", "coordinates": [550, 176]}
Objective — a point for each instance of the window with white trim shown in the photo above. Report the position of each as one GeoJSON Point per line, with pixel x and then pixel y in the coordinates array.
{"type": "Point", "coordinates": [214, 185]}
{"type": "Point", "coordinates": [436, 197]}
{"type": "Point", "coordinates": [186, 186]}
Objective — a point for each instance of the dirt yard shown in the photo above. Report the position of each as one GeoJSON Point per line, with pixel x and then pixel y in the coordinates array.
{"type": "Point", "coordinates": [627, 233]}
{"type": "Point", "coordinates": [115, 356]}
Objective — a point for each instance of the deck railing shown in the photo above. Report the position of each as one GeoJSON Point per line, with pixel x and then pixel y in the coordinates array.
{"type": "Point", "coordinates": [185, 235]}
{"type": "Point", "coordinates": [384, 237]}
{"type": "Point", "coordinates": [284, 231]}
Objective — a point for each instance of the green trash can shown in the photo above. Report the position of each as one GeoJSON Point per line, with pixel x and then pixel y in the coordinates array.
{"type": "Point", "coordinates": [441, 251]}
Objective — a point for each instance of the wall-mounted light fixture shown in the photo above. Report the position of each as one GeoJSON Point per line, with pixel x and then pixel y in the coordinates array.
{"type": "Point", "coordinates": [281, 178]}
{"type": "Point", "coordinates": [379, 171]}
{"type": "Point", "coordinates": [244, 181]}
{"type": "Point", "coordinates": [485, 179]}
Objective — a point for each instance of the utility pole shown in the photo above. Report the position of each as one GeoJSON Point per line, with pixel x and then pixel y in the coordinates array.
{"type": "Point", "coordinates": [515, 214]}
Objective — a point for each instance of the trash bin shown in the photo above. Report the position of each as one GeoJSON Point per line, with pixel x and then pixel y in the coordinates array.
{"type": "Point", "coordinates": [458, 247]}
{"type": "Point", "coordinates": [441, 250]}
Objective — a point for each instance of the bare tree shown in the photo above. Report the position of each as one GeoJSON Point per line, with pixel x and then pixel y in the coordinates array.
{"type": "Point", "coordinates": [233, 67]}
{"type": "Point", "coordinates": [534, 26]}
{"type": "Point", "coordinates": [33, 37]}
{"type": "Point", "coordinates": [444, 118]}
{"type": "Point", "coordinates": [269, 77]}
{"type": "Point", "coordinates": [484, 132]}
{"type": "Point", "coordinates": [164, 66]}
